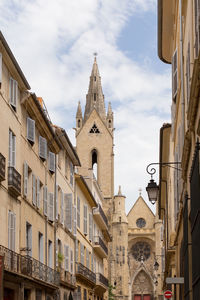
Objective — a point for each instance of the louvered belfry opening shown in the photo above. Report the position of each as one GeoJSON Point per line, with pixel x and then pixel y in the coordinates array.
{"type": "Point", "coordinates": [195, 221]}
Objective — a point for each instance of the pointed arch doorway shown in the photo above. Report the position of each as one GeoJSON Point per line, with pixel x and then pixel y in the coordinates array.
{"type": "Point", "coordinates": [142, 288]}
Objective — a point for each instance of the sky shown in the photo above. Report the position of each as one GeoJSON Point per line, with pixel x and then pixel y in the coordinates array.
{"type": "Point", "coordinates": [54, 42]}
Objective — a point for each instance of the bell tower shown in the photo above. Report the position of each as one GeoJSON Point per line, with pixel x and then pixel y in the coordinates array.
{"type": "Point", "coordinates": [94, 138]}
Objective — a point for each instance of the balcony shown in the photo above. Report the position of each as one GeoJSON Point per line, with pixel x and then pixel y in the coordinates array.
{"type": "Point", "coordinates": [100, 247]}
{"type": "Point", "coordinates": [2, 167]}
{"type": "Point", "coordinates": [29, 267]}
{"type": "Point", "coordinates": [68, 279]}
{"type": "Point", "coordinates": [100, 217]}
{"type": "Point", "coordinates": [14, 181]}
{"type": "Point", "coordinates": [101, 283]}
{"type": "Point", "coordinates": [85, 274]}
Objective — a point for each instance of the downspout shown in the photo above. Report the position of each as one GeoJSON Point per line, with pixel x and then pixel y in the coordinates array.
{"type": "Point", "coordinates": [182, 73]}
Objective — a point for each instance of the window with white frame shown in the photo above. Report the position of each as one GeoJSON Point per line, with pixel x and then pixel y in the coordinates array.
{"type": "Point", "coordinates": [40, 247]}
{"type": "Point", "coordinates": [50, 254]}
{"type": "Point", "coordinates": [66, 256]}
{"type": "Point", "coordinates": [12, 149]}
{"type": "Point", "coordinates": [42, 148]}
{"type": "Point", "coordinates": [30, 130]}
{"type": "Point", "coordinates": [13, 93]}
{"type": "Point", "coordinates": [11, 230]}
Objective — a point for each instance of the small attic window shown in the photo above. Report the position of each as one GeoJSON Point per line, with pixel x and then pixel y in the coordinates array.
{"type": "Point", "coordinates": [94, 129]}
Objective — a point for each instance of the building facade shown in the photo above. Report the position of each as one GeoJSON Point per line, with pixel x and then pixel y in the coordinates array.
{"type": "Point", "coordinates": [178, 44]}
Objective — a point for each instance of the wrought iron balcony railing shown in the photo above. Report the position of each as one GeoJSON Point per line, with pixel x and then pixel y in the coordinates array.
{"type": "Point", "coordinates": [14, 181]}
{"type": "Point", "coordinates": [99, 241]}
{"type": "Point", "coordinates": [2, 167]}
{"type": "Point", "coordinates": [28, 266]}
{"type": "Point", "coordinates": [102, 279]}
{"type": "Point", "coordinates": [85, 272]}
{"type": "Point", "coordinates": [101, 213]}
{"type": "Point", "coordinates": [67, 277]}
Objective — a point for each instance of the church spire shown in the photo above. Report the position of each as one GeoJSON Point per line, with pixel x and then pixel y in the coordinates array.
{"type": "Point", "coordinates": [79, 119]}
{"type": "Point", "coordinates": [95, 97]}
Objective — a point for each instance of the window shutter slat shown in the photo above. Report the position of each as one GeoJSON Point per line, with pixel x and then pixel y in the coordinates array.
{"type": "Point", "coordinates": [42, 147]}
{"type": "Point", "coordinates": [10, 149]}
{"type": "Point", "coordinates": [76, 251]}
{"type": "Point", "coordinates": [68, 211]}
{"type": "Point", "coordinates": [34, 189]}
{"type": "Point", "coordinates": [31, 130]}
{"type": "Point", "coordinates": [13, 150]}
{"type": "Point", "coordinates": [71, 261]}
{"type": "Point", "coordinates": [82, 254]}
{"type": "Point", "coordinates": [45, 193]}
{"type": "Point", "coordinates": [51, 161]}
{"type": "Point", "coordinates": [66, 249]}
{"type": "Point", "coordinates": [38, 193]}
{"type": "Point", "coordinates": [62, 208]}
{"type": "Point", "coordinates": [85, 220]}
{"type": "Point", "coordinates": [75, 228]}
{"type": "Point", "coordinates": [90, 227]}
{"type": "Point", "coordinates": [50, 207]}
{"type": "Point", "coordinates": [56, 202]}
{"type": "Point", "coordinates": [25, 179]}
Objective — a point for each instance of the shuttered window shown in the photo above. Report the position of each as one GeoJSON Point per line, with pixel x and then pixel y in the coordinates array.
{"type": "Point", "coordinates": [42, 148]}
{"type": "Point", "coordinates": [90, 227]}
{"type": "Point", "coordinates": [25, 179]}
{"type": "Point", "coordinates": [45, 193]}
{"type": "Point", "coordinates": [78, 211]}
{"type": "Point", "coordinates": [12, 149]}
{"type": "Point", "coordinates": [62, 208]}
{"type": "Point", "coordinates": [68, 211]}
{"type": "Point", "coordinates": [92, 263]}
{"type": "Point", "coordinates": [75, 224]}
{"type": "Point", "coordinates": [40, 247]}
{"type": "Point", "coordinates": [174, 75]}
{"type": "Point", "coordinates": [56, 252]}
{"type": "Point", "coordinates": [51, 162]}
{"type": "Point", "coordinates": [85, 220]}
{"type": "Point", "coordinates": [71, 261]}
{"type": "Point", "coordinates": [71, 173]}
{"type": "Point", "coordinates": [38, 193]}
{"type": "Point", "coordinates": [94, 260]}
{"type": "Point", "coordinates": [13, 92]}
{"type": "Point", "coordinates": [161, 233]}
{"type": "Point", "coordinates": [87, 259]}
{"type": "Point", "coordinates": [82, 254]}
{"type": "Point", "coordinates": [188, 73]}
{"type": "Point", "coordinates": [56, 202]}
{"type": "Point", "coordinates": [31, 130]}
{"type": "Point", "coordinates": [50, 254]}
{"type": "Point", "coordinates": [11, 230]}
{"type": "Point", "coordinates": [50, 207]}
{"type": "Point", "coordinates": [76, 251]}
{"type": "Point", "coordinates": [29, 238]}
{"type": "Point", "coordinates": [1, 66]}
{"type": "Point", "coordinates": [66, 255]}
{"type": "Point", "coordinates": [33, 189]}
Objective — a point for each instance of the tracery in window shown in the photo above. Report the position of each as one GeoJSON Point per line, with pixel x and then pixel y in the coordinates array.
{"type": "Point", "coordinates": [141, 251]}
{"type": "Point", "coordinates": [94, 129]}
{"type": "Point", "coordinates": [141, 223]}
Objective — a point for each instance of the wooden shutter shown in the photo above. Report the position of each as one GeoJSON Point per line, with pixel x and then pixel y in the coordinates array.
{"type": "Point", "coordinates": [71, 173]}
{"type": "Point", "coordinates": [62, 208]}
{"type": "Point", "coordinates": [50, 207]}
{"type": "Point", "coordinates": [68, 211]}
{"type": "Point", "coordinates": [56, 252]}
{"type": "Point", "coordinates": [51, 162]}
{"type": "Point", "coordinates": [45, 193]}
{"type": "Point", "coordinates": [10, 149]}
{"type": "Point", "coordinates": [56, 202]}
{"type": "Point", "coordinates": [42, 148]}
{"type": "Point", "coordinates": [33, 189]}
{"type": "Point", "coordinates": [87, 259]}
{"type": "Point", "coordinates": [38, 193]}
{"type": "Point", "coordinates": [1, 66]}
{"type": "Point", "coordinates": [94, 259]}
{"type": "Point", "coordinates": [90, 227]}
{"type": "Point", "coordinates": [71, 261]}
{"type": "Point", "coordinates": [82, 254]}
{"type": "Point", "coordinates": [78, 211]}
{"type": "Point", "coordinates": [25, 179]}
{"type": "Point", "coordinates": [76, 250]}
{"type": "Point", "coordinates": [66, 254]}
{"type": "Point", "coordinates": [11, 230]}
{"type": "Point", "coordinates": [31, 130]}
{"type": "Point", "coordinates": [174, 75]}
{"type": "Point", "coordinates": [85, 220]}
{"type": "Point", "coordinates": [92, 263]}
{"type": "Point", "coordinates": [13, 150]}
{"type": "Point", "coordinates": [13, 91]}
{"type": "Point", "coordinates": [75, 228]}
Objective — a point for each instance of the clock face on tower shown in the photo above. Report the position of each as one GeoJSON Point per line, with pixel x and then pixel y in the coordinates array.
{"type": "Point", "coordinates": [141, 251]}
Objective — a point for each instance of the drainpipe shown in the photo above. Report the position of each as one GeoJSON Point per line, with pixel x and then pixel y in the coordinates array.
{"type": "Point", "coordinates": [182, 72]}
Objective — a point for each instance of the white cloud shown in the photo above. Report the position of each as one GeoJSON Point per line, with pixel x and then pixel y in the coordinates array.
{"type": "Point", "coordinates": [53, 42]}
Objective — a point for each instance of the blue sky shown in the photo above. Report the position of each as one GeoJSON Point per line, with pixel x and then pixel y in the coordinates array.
{"type": "Point", "coordinates": [54, 45]}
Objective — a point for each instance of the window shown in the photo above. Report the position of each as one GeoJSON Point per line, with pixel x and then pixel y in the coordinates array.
{"type": "Point", "coordinates": [45, 201]}
{"type": "Point", "coordinates": [90, 227]}
{"type": "Point", "coordinates": [75, 223]}
{"type": "Point", "coordinates": [57, 193]}
{"type": "Point", "coordinates": [51, 162]}
{"type": "Point", "coordinates": [71, 173]}
{"type": "Point", "coordinates": [61, 207]}
{"type": "Point", "coordinates": [87, 259]}
{"type": "Point", "coordinates": [141, 223]}
{"type": "Point", "coordinates": [40, 246]}
{"type": "Point", "coordinates": [95, 96]}
{"type": "Point", "coordinates": [94, 129]}
{"type": "Point", "coordinates": [42, 148]}
{"type": "Point", "coordinates": [33, 189]}
{"type": "Point", "coordinates": [82, 254]}
{"type": "Point", "coordinates": [66, 256]}
{"type": "Point", "coordinates": [25, 179]}
{"type": "Point", "coordinates": [68, 211]}
{"type": "Point", "coordinates": [66, 166]}
{"type": "Point", "coordinates": [50, 254]}
{"type": "Point", "coordinates": [51, 207]}
{"type": "Point", "coordinates": [85, 220]}
{"type": "Point", "coordinates": [29, 238]}
{"type": "Point", "coordinates": [31, 130]}
{"type": "Point", "coordinates": [71, 261]}
{"type": "Point", "coordinates": [141, 251]}
{"type": "Point", "coordinates": [11, 230]}
{"type": "Point", "coordinates": [78, 211]}
{"type": "Point", "coordinates": [12, 149]}
{"type": "Point", "coordinates": [38, 294]}
{"type": "Point", "coordinates": [85, 294]}
{"type": "Point", "coordinates": [13, 93]}
{"type": "Point", "coordinates": [79, 123]}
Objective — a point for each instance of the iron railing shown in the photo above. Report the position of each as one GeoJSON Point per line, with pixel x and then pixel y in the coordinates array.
{"type": "Point", "coordinates": [84, 271]}
{"type": "Point", "coordinates": [102, 279]}
{"type": "Point", "coordinates": [67, 277]}
{"type": "Point", "coordinates": [26, 265]}
{"type": "Point", "coordinates": [99, 241]}
{"type": "Point", "coordinates": [2, 167]}
{"type": "Point", "coordinates": [14, 181]}
{"type": "Point", "coordinates": [103, 215]}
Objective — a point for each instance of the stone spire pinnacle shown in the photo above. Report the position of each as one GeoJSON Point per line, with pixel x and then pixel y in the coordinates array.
{"type": "Point", "coordinates": [110, 113]}
{"type": "Point", "coordinates": [95, 97]}
{"type": "Point", "coordinates": [79, 111]}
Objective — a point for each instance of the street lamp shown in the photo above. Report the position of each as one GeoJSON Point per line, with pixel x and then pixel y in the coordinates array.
{"type": "Point", "coordinates": [152, 188]}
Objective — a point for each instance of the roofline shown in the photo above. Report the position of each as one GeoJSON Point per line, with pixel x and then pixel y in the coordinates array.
{"type": "Point", "coordinates": [160, 29]}
{"type": "Point", "coordinates": [71, 146]}
{"type": "Point", "coordinates": [144, 202]}
{"type": "Point", "coordinates": [80, 177]}
{"type": "Point", "coordinates": [5, 44]}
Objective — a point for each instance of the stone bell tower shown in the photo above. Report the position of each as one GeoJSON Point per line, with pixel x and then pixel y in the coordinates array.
{"type": "Point", "coordinates": [94, 138]}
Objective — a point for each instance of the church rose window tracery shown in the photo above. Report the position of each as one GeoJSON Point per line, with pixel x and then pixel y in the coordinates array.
{"type": "Point", "coordinates": [141, 223]}
{"type": "Point", "coordinates": [141, 250]}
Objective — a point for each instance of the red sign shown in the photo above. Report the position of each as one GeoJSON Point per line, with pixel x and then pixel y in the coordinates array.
{"type": "Point", "coordinates": [168, 294]}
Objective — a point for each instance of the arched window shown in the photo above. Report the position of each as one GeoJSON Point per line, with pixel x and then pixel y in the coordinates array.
{"type": "Point", "coordinates": [94, 162]}
{"type": "Point", "coordinates": [79, 123]}
{"type": "Point", "coordinates": [109, 123]}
